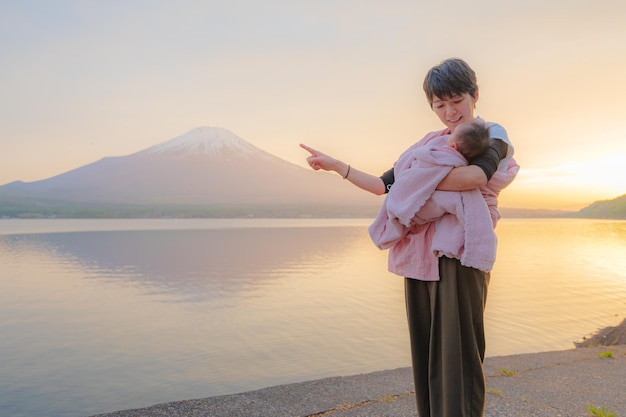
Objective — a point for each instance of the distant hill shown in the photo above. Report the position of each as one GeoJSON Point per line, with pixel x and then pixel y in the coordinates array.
{"type": "Point", "coordinates": [606, 209]}
{"type": "Point", "coordinates": [207, 172]}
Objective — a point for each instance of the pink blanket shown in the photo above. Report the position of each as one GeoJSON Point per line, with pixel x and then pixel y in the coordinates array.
{"type": "Point", "coordinates": [418, 224]}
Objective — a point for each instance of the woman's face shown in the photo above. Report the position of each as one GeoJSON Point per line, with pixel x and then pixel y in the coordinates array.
{"type": "Point", "coordinates": [455, 110]}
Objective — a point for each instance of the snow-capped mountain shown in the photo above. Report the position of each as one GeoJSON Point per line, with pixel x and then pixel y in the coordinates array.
{"type": "Point", "coordinates": [211, 141]}
{"type": "Point", "coordinates": [204, 167]}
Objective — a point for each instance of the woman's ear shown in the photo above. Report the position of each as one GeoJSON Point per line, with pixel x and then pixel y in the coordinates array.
{"type": "Point", "coordinates": [476, 94]}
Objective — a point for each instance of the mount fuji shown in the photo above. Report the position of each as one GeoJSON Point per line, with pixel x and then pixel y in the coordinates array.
{"type": "Point", "coordinates": [207, 169]}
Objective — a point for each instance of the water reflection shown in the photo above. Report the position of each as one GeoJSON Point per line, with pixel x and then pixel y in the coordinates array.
{"type": "Point", "coordinates": [554, 282]}
{"type": "Point", "coordinates": [191, 265]}
{"type": "Point", "coordinates": [99, 321]}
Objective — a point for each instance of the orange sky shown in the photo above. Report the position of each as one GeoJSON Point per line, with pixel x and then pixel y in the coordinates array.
{"type": "Point", "coordinates": [80, 81]}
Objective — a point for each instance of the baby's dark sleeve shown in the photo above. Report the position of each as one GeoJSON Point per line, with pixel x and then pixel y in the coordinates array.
{"type": "Point", "coordinates": [490, 159]}
{"type": "Point", "coordinates": [388, 179]}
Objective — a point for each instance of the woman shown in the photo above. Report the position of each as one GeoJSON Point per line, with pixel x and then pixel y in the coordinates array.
{"type": "Point", "coordinates": [445, 317]}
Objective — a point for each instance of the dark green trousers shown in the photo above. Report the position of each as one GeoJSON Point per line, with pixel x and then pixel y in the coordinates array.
{"type": "Point", "coordinates": [448, 341]}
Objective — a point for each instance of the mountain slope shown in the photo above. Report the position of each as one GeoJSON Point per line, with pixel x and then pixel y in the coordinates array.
{"type": "Point", "coordinates": [204, 167]}
{"type": "Point", "coordinates": [607, 209]}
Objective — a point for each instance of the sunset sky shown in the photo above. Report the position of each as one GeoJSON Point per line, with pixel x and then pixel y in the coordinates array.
{"type": "Point", "coordinates": [83, 80]}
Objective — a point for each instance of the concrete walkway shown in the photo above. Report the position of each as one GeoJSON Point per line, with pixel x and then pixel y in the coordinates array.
{"type": "Point", "coordinates": [551, 384]}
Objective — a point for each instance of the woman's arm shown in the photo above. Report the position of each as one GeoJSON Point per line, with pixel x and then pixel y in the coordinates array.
{"type": "Point", "coordinates": [480, 170]}
{"type": "Point", "coordinates": [463, 178]}
{"type": "Point", "coordinates": [368, 182]}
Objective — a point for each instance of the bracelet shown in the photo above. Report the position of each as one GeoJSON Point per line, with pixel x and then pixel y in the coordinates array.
{"type": "Point", "coordinates": [347, 172]}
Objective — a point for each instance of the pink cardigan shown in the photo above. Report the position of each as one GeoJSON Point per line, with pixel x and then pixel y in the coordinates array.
{"type": "Point", "coordinates": [418, 224]}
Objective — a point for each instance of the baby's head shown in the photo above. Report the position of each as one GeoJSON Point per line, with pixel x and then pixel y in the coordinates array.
{"type": "Point", "coordinates": [470, 139]}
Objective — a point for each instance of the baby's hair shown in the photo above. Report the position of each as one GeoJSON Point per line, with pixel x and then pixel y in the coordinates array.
{"type": "Point", "coordinates": [473, 139]}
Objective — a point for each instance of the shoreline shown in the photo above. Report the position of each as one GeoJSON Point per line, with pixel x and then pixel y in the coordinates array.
{"type": "Point", "coordinates": [541, 384]}
{"type": "Point", "coordinates": [607, 336]}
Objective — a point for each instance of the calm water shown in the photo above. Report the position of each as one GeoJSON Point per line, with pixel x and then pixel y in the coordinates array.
{"type": "Point", "coordinates": [98, 316]}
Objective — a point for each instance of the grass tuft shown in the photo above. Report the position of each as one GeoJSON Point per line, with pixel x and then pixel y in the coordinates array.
{"type": "Point", "coordinates": [495, 391]}
{"type": "Point", "coordinates": [507, 372]}
{"type": "Point", "coordinates": [600, 412]}
{"type": "Point", "coordinates": [606, 354]}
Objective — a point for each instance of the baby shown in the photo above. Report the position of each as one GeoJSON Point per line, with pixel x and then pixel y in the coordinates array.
{"type": "Point", "coordinates": [470, 139]}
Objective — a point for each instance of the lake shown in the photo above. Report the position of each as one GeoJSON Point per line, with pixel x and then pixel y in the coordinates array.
{"type": "Point", "coordinates": [103, 315]}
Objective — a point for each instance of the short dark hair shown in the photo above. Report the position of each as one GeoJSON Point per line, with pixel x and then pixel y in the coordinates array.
{"type": "Point", "coordinates": [450, 78]}
{"type": "Point", "coordinates": [473, 140]}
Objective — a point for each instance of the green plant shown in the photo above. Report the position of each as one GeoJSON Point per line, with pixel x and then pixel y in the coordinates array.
{"type": "Point", "coordinates": [600, 412]}
{"type": "Point", "coordinates": [507, 372]}
{"type": "Point", "coordinates": [606, 354]}
{"type": "Point", "coordinates": [495, 391]}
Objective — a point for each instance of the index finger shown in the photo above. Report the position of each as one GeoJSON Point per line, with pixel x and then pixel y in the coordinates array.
{"type": "Point", "coordinates": [311, 150]}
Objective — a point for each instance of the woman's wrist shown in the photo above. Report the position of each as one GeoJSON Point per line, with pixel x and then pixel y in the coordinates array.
{"type": "Point", "coordinates": [345, 177]}
{"type": "Point", "coordinates": [342, 168]}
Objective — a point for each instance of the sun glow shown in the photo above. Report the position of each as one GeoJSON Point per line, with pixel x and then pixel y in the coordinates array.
{"type": "Point", "coordinates": [566, 187]}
